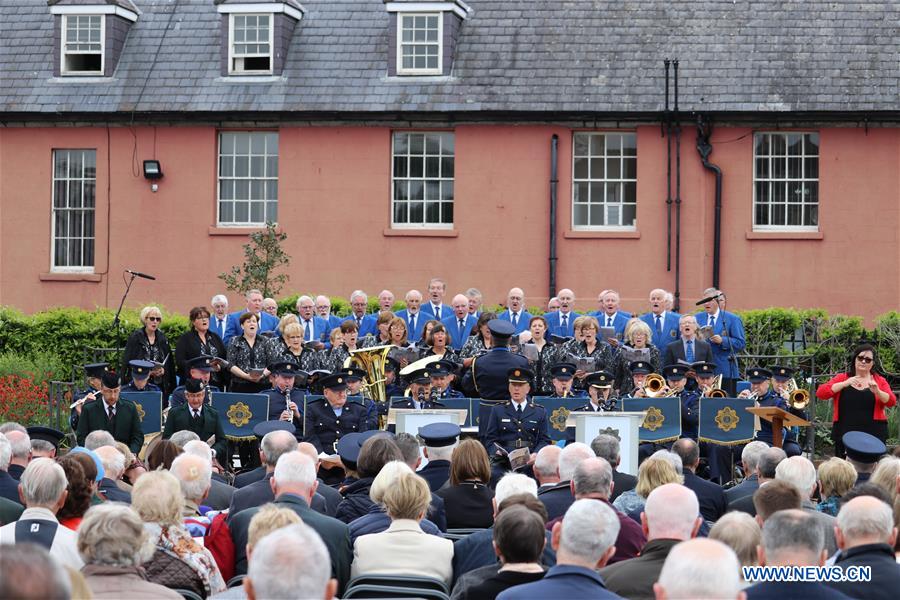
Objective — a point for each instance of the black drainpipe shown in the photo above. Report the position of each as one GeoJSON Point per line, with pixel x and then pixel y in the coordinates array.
{"type": "Point", "coordinates": [705, 148]}
{"type": "Point", "coordinates": [554, 203]}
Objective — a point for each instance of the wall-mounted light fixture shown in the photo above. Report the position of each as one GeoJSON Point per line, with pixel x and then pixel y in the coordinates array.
{"type": "Point", "coordinates": [153, 171]}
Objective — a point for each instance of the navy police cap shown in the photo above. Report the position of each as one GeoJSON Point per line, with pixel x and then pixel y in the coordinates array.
{"type": "Point", "coordinates": [758, 374]}
{"type": "Point", "coordinates": [563, 370]}
{"type": "Point", "coordinates": [439, 435]}
{"type": "Point", "coordinates": [863, 447]}
{"type": "Point", "coordinates": [261, 429]}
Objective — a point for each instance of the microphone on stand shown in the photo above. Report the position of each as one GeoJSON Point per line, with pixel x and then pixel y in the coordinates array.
{"type": "Point", "coordinates": [139, 274]}
{"type": "Point", "coordinates": [699, 302]}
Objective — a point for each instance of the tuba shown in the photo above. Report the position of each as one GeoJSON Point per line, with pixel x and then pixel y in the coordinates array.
{"type": "Point", "coordinates": [797, 398]}
{"type": "Point", "coordinates": [714, 390]}
{"type": "Point", "coordinates": [372, 361]}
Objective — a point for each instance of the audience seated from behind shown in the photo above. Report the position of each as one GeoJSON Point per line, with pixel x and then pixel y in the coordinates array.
{"type": "Point", "coordinates": [468, 498]}
{"type": "Point", "coordinates": [279, 566]}
{"type": "Point", "coordinates": [740, 532]}
{"type": "Point", "coordinates": [699, 569]}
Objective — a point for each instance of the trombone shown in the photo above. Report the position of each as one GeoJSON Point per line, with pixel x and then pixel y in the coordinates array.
{"type": "Point", "coordinates": [714, 390]}
{"type": "Point", "coordinates": [655, 387]}
{"type": "Point", "coordinates": [797, 398]}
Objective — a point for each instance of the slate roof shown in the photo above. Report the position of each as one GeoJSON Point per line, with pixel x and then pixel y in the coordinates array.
{"type": "Point", "coordinates": [544, 56]}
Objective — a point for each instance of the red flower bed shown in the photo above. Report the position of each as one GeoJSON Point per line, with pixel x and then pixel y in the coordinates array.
{"type": "Point", "coordinates": [22, 400]}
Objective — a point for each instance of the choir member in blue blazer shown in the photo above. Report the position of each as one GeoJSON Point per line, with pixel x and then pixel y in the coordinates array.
{"type": "Point", "coordinates": [365, 324]}
{"type": "Point", "coordinates": [727, 338]}
{"type": "Point", "coordinates": [609, 315]}
{"type": "Point", "coordinates": [218, 320]}
{"type": "Point", "coordinates": [460, 323]}
{"type": "Point", "coordinates": [323, 310]}
{"type": "Point", "coordinates": [561, 322]}
{"type": "Point", "coordinates": [254, 304]}
{"type": "Point", "coordinates": [435, 307]}
{"type": "Point", "coordinates": [515, 312]}
{"type": "Point", "coordinates": [663, 323]}
{"type": "Point", "coordinates": [315, 328]}
{"type": "Point", "coordinates": [412, 314]}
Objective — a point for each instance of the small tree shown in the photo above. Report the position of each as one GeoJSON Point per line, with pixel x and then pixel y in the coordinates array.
{"type": "Point", "coordinates": [263, 256]}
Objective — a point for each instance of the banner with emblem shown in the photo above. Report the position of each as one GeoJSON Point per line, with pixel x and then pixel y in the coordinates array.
{"type": "Point", "coordinates": [725, 421]}
{"type": "Point", "coordinates": [240, 413]}
{"type": "Point", "coordinates": [558, 410]}
{"type": "Point", "coordinates": [663, 420]}
{"type": "Point", "coordinates": [149, 407]}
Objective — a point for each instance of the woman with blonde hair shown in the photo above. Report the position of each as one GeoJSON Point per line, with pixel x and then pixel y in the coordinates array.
{"type": "Point", "coordinates": [836, 478]}
{"type": "Point", "coordinates": [150, 343]}
{"type": "Point", "coordinates": [157, 498]}
{"type": "Point", "coordinates": [652, 473]}
{"type": "Point", "coordinates": [404, 548]}
{"type": "Point", "coordinates": [292, 335]}
{"type": "Point", "coordinates": [637, 336]}
{"type": "Point", "coordinates": [590, 347]}
{"type": "Point", "coordinates": [886, 476]}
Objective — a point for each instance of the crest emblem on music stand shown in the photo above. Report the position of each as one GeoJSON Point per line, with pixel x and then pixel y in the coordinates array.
{"type": "Point", "coordinates": [654, 419]}
{"type": "Point", "coordinates": [558, 418]}
{"type": "Point", "coordinates": [239, 414]}
{"type": "Point", "coordinates": [727, 419]}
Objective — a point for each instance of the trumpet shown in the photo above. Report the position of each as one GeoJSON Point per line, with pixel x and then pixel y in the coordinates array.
{"type": "Point", "coordinates": [797, 398]}
{"type": "Point", "coordinates": [714, 390]}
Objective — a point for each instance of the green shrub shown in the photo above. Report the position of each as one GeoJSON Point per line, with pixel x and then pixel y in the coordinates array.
{"type": "Point", "coordinates": [41, 367]}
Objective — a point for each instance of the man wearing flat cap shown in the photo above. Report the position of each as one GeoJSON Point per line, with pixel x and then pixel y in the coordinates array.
{"type": "Point", "coordinates": [517, 423]}
{"type": "Point", "coordinates": [486, 378]}
{"type": "Point", "coordinates": [120, 418]}
{"type": "Point", "coordinates": [198, 417]}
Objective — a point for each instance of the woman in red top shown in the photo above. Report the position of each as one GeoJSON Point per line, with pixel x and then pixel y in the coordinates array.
{"type": "Point", "coordinates": [860, 397]}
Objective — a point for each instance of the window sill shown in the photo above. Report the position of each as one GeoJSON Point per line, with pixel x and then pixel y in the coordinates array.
{"type": "Point", "coordinates": [445, 233]}
{"type": "Point", "coordinates": [251, 78]}
{"type": "Point", "coordinates": [92, 277]}
{"type": "Point", "coordinates": [214, 230]}
{"type": "Point", "coordinates": [608, 235]}
{"type": "Point", "coordinates": [785, 235]}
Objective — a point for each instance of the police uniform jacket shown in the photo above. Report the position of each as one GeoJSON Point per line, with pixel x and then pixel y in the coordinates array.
{"type": "Point", "coordinates": [690, 413]}
{"type": "Point", "coordinates": [427, 404]}
{"type": "Point", "coordinates": [764, 434]}
{"type": "Point", "coordinates": [209, 424]}
{"type": "Point", "coordinates": [324, 428]}
{"type": "Point", "coordinates": [451, 393]}
{"type": "Point", "coordinates": [278, 404]}
{"type": "Point", "coordinates": [125, 426]}
{"type": "Point", "coordinates": [149, 387]}
{"type": "Point", "coordinates": [487, 376]}
{"type": "Point", "coordinates": [510, 431]}
{"type": "Point", "coordinates": [436, 473]}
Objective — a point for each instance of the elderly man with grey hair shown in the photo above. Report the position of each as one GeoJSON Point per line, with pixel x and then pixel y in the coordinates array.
{"type": "Point", "coordinates": [99, 438]}
{"type": "Point", "coordinates": [359, 303]}
{"type": "Point", "coordinates": [279, 566]}
{"type": "Point", "coordinates": [218, 322]}
{"type": "Point", "coordinates": [750, 456]}
{"type": "Point", "coordinates": [607, 447]}
{"type": "Point", "coordinates": [593, 479]}
{"type": "Point", "coordinates": [546, 467]}
{"type": "Point", "coordinates": [699, 569]}
{"type": "Point", "coordinates": [194, 474]}
{"type": "Point", "coordinates": [801, 473]}
{"type": "Point", "coordinates": [43, 492]}
{"type": "Point", "coordinates": [560, 497]}
{"type": "Point", "coordinates": [792, 538]}
{"type": "Point", "coordinates": [114, 544]}
{"type": "Point", "coordinates": [768, 461]}
{"type": "Point", "coordinates": [113, 463]}
{"type": "Point", "coordinates": [31, 573]}
{"type": "Point", "coordinates": [9, 487]}
{"type": "Point", "coordinates": [671, 515]}
{"type": "Point", "coordinates": [866, 535]}
{"type": "Point", "coordinates": [20, 444]}
{"type": "Point", "coordinates": [220, 493]}
{"type": "Point", "coordinates": [584, 541]}
{"type": "Point", "coordinates": [272, 447]}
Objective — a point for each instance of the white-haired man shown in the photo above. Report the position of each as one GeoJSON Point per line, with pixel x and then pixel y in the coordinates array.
{"type": "Point", "coordinates": [687, 348]}
{"type": "Point", "coordinates": [546, 467]}
{"type": "Point", "coordinates": [315, 328]}
{"type": "Point", "coordinates": [254, 305]}
{"type": "Point", "coordinates": [386, 301]}
{"type": "Point", "coordinates": [609, 315]}
{"type": "Point", "coordinates": [365, 323]}
{"type": "Point", "coordinates": [700, 569]}
{"type": "Point", "coordinates": [750, 456]}
{"type": "Point", "coordinates": [663, 323]}
{"type": "Point", "coordinates": [560, 497]}
{"type": "Point", "coordinates": [584, 541]}
{"type": "Point", "coordinates": [279, 566]}
{"type": "Point", "coordinates": [415, 320]}
{"type": "Point", "coordinates": [220, 493]}
{"type": "Point", "coordinates": [727, 339]}
{"type": "Point", "coordinates": [323, 310]}
{"type": "Point", "coordinates": [42, 490]}
{"type": "Point", "coordinates": [561, 321]}
{"type": "Point", "coordinates": [460, 322]}
{"type": "Point", "coordinates": [113, 463]}
{"type": "Point", "coordinates": [801, 473]}
{"type": "Point", "coordinates": [194, 474]}
{"type": "Point", "coordinates": [515, 311]}
{"type": "Point", "coordinates": [866, 535]}
{"type": "Point", "coordinates": [671, 515]}
{"type": "Point", "coordinates": [218, 324]}
{"type": "Point", "coordinates": [20, 444]}
{"type": "Point", "coordinates": [476, 299]}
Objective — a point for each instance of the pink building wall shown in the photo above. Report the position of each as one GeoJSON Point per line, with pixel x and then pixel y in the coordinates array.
{"type": "Point", "coordinates": [334, 204]}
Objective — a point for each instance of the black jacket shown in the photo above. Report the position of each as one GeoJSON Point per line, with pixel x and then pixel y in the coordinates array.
{"type": "Point", "coordinates": [622, 482]}
{"type": "Point", "coordinates": [711, 496]}
{"type": "Point", "coordinates": [557, 499]}
{"type": "Point", "coordinates": [209, 425]}
{"type": "Point", "coordinates": [885, 583]}
{"type": "Point", "coordinates": [125, 428]}
{"type": "Point", "coordinates": [675, 352]}
{"type": "Point", "coordinates": [468, 505]}
{"type": "Point", "coordinates": [357, 503]}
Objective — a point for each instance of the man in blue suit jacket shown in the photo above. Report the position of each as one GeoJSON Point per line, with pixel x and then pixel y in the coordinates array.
{"type": "Point", "coordinates": [415, 320]}
{"type": "Point", "coordinates": [254, 304]}
{"type": "Point", "coordinates": [315, 328]}
{"type": "Point", "coordinates": [663, 324]}
{"type": "Point", "coordinates": [323, 309]}
{"type": "Point", "coordinates": [218, 320]}
{"type": "Point", "coordinates": [366, 324]}
{"type": "Point", "coordinates": [560, 322]}
{"type": "Point", "coordinates": [728, 336]}
{"type": "Point", "coordinates": [609, 314]}
{"type": "Point", "coordinates": [516, 313]}
{"type": "Point", "coordinates": [459, 333]}
{"type": "Point", "coordinates": [435, 307]}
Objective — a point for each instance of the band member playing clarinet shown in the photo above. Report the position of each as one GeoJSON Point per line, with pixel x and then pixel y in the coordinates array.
{"type": "Point", "coordinates": [285, 401]}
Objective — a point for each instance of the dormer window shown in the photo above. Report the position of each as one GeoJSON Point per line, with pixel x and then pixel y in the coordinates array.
{"type": "Point", "coordinates": [91, 35]}
{"type": "Point", "coordinates": [257, 35]}
{"type": "Point", "coordinates": [423, 36]}
{"type": "Point", "coordinates": [82, 51]}
{"type": "Point", "coordinates": [250, 50]}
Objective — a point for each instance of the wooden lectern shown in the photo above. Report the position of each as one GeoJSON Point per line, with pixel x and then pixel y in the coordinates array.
{"type": "Point", "coordinates": [779, 419]}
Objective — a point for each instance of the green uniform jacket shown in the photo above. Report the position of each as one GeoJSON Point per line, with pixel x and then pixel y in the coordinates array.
{"type": "Point", "coordinates": [208, 425]}
{"type": "Point", "coordinates": [125, 427]}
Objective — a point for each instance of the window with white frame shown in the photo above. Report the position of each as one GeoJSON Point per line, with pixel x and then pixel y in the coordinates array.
{"type": "Point", "coordinates": [83, 37]}
{"type": "Point", "coordinates": [786, 181]}
{"type": "Point", "coordinates": [248, 178]}
{"type": "Point", "coordinates": [604, 181]}
{"type": "Point", "coordinates": [250, 47]}
{"type": "Point", "coordinates": [419, 44]}
{"type": "Point", "coordinates": [422, 180]}
{"type": "Point", "coordinates": [74, 201]}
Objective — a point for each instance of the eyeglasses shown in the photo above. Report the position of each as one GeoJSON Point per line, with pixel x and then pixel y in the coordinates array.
{"type": "Point", "coordinates": [865, 359]}
{"type": "Point", "coordinates": [154, 318]}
